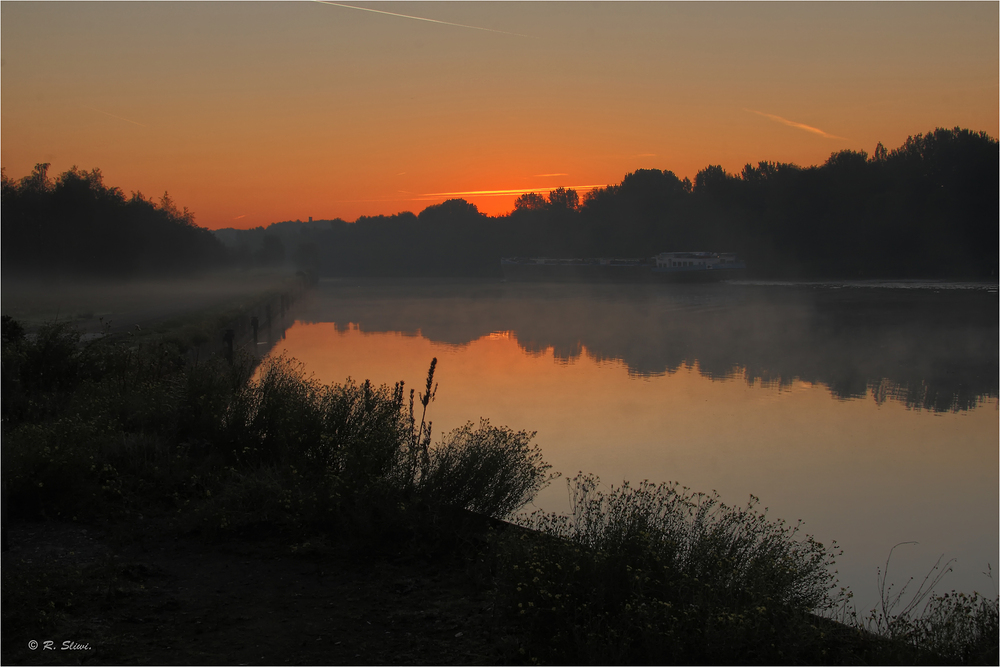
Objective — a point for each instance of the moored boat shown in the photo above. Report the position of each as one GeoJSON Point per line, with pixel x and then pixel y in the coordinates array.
{"type": "Point", "coordinates": [665, 267]}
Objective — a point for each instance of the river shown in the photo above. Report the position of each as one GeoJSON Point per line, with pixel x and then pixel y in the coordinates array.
{"type": "Point", "coordinates": [867, 410]}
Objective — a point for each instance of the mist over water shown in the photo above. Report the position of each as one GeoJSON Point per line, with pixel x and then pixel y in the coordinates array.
{"type": "Point", "coordinates": [867, 410]}
{"type": "Point", "coordinates": [932, 348]}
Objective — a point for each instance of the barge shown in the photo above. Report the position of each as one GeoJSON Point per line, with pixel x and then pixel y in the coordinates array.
{"type": "Point", "coordinates": [666, 267]}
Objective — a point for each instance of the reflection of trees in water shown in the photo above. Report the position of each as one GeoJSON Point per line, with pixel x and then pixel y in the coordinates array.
{"type": "Point", "coordinates": [935, 351]}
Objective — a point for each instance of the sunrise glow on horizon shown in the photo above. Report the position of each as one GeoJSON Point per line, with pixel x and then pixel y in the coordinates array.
{"type": "Point", "coordinates": [253, 113]}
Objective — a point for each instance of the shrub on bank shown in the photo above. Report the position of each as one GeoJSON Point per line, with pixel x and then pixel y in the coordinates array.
{"type": "Point", "coordinates": [961, 628]}
{"type": "Point", "coordinates": [489, 470]}
{"type": "Point", "coordinates": [359, 441]}
{"type": "Point", "coordinates": [659, 574]}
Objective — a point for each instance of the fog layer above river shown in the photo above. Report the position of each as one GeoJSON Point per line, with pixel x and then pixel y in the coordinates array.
{"type": "Point", "coordinates": [928, 346]}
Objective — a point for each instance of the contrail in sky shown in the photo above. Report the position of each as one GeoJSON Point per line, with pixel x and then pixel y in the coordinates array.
{"type": "Point", "coordinates": [420, 18]}
{"type": "Point", "coordinates": [792, 123]}
{"type": "Point", "coordinates": [114, 116]}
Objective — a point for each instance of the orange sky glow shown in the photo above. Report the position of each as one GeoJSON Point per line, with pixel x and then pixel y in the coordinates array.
{"type": "Point", "coordinates": [252, 113]}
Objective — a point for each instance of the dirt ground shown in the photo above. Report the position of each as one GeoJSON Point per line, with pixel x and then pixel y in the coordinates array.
{"type": "Point", "coordinates": [148, 597]}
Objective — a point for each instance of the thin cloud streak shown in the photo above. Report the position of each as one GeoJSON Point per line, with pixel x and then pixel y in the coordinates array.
{"type": "Point", "coordinates": [392, 199]}
{"type": "Point", "coordinates": [114, 116]}
{"type": "Point", "coordinates": [547, 175]}
{"type": "Point", "coordinates": [801, 126]}
{"type": "Point", "coordinates": [507, 193]}
{"type": "Point", "coordinates": [420, 18]}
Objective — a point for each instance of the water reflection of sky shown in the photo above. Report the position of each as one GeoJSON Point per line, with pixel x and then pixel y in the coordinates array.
{"type": "Point", "coordinates": [930, 348]}
{"type": "Point", "coordinates": [860, 467]}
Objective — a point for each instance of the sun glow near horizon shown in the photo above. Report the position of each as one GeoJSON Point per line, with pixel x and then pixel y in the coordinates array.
{"type": "Point", "coordinates": [278, 111]}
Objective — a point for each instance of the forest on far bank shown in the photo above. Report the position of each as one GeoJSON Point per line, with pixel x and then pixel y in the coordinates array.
{"type": "Point", "coordinates": [75, 225]}
{"type": "Point", "coordinates": [928, 209]}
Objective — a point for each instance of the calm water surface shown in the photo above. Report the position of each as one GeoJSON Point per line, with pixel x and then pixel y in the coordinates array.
{"type": "Point", "coordinates": [868, 411]}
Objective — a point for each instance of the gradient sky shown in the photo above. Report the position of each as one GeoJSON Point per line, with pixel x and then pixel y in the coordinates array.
{"type": "Point", "coordinates": [251, 113]}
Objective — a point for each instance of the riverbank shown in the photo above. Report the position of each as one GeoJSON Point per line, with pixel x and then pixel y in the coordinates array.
{"type": "Point", "coordinates": [148, 595]}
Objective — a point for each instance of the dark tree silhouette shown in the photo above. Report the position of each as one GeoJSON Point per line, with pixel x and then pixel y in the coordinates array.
{"type": "Point", "coordinates": [563, 199]}
{"type": "Point", "coordinates": [530, 201]}
{"type": "Point", "coordinates": [76, 225]}
{"type": "Point", "coordinates": [926, 209]}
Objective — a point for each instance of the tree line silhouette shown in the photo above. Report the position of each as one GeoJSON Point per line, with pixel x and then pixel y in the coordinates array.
{"type": "Point", "coordinates": [76, 225]}
{"type": "Point", "coordinates": [927, 209]}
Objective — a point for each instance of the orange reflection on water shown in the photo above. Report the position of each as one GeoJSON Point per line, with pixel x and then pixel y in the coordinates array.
{"type": "Point", "coordinates": [865, 474]}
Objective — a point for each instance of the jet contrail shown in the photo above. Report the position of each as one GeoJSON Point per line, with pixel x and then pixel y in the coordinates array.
{"type": "Point", "coordinates": [114, 116]}
{"type": "Point", "coordinates": [420, 18]}
{"type": "Point", "coordinates": [792, 123]}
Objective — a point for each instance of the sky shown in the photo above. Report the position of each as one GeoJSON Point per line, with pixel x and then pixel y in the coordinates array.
{"type": "Point", "coordinates": [255, 112]}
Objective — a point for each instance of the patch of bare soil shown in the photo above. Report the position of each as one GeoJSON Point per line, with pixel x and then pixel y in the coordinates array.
{"type": "Point", "coordinates": [155, 598]}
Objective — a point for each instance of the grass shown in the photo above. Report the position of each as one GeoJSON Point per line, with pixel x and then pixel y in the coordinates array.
{"type": "Point", "coordinates": [124, 428]}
